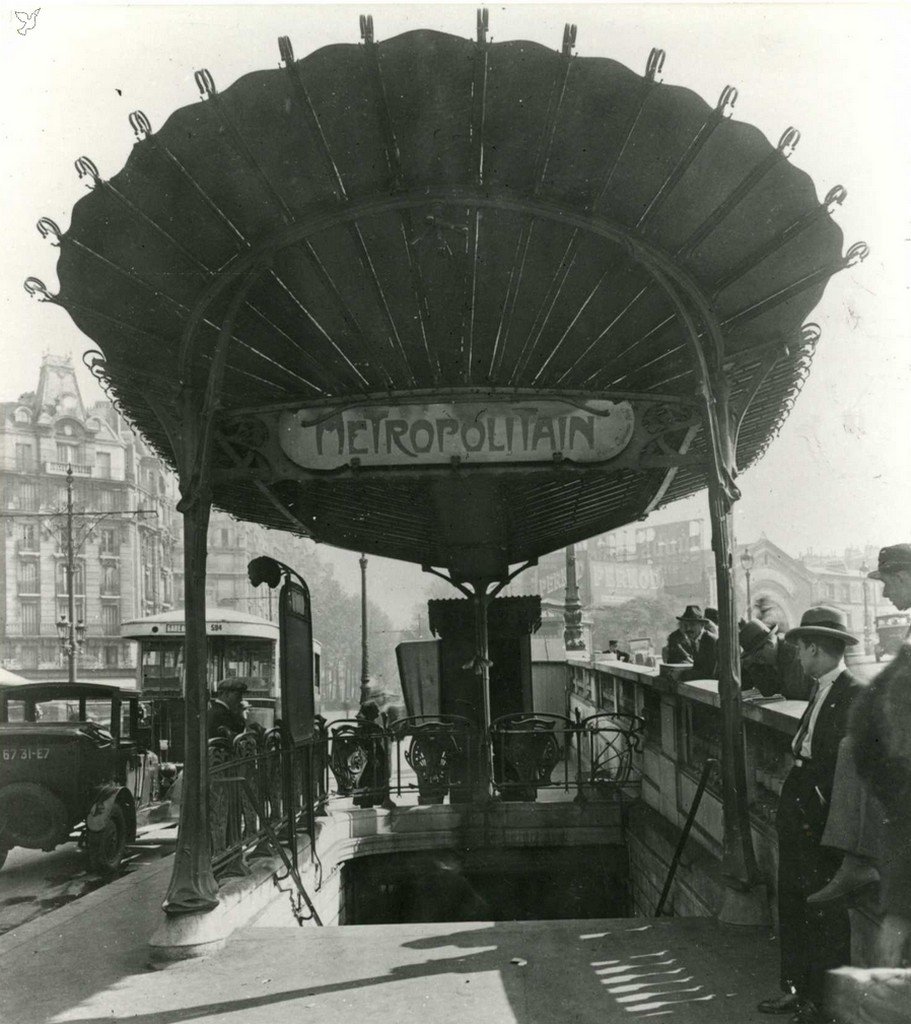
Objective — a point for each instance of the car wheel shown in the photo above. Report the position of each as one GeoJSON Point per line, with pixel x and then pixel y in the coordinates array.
{"type": "Point", "coordinates": [32, 816]}
{"type": "Point", "coordinates": [106, 848]}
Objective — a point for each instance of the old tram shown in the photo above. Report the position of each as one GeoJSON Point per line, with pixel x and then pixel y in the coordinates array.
{"type": "Point", "coordinates": [457, 303]}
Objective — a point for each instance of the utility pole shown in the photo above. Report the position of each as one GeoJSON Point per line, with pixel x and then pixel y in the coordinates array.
{"type": "Point", "coordinates": [70, 630]}
{"type": "Point", "coordinates": [69, 645]}
{"type": "Point", "coordinates": [365, 672]}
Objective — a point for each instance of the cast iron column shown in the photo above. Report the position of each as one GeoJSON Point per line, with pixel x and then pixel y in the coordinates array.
{"type": "Point", "coordinates": [572, 606]}
{"type": "Point", "coordinates": [365, 671]}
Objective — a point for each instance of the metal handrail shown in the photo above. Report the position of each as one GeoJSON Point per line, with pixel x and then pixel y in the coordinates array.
{"type": "Point", "coordinates": [707, 768]}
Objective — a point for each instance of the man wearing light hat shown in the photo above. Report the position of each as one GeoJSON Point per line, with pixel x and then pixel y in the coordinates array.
{"type": "Point", "coordinates": [812, 941]}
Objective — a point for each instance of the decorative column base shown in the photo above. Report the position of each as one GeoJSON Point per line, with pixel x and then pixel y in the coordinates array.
{"type": "Point", "coordinates": [745, 906]}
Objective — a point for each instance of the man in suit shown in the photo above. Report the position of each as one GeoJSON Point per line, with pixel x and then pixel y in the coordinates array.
{"type": "Point", "coordinates": [769, 663]}
{"type": "Point", "coordinates": [692, 644]}
{"type": "Point", "coordinates": [812, 940]}
{"type": "Point", "coordinates": [225, 717]}
{"type": "Point", "coordinates": [871, 807]}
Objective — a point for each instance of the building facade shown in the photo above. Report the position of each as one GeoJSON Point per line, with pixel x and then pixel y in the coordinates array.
{"type": "Point", "coordinates": [125, 531]}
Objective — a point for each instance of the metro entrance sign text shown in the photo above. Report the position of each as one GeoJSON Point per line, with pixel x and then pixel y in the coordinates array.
{"type": "Point", "coordinates": [472, 431]}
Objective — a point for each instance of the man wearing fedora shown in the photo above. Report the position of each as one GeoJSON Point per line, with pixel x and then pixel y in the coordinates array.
{"type": "Point", "coordinates": [692, 644]}
{"type": "Point", "coordinates": [769, 663]}
{"type": "Point", "coordinates": [812, 940]}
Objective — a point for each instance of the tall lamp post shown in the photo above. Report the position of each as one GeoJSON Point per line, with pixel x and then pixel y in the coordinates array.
{"type": "Point", "coordinates": [365, 672]}
{"type": "Point", "coordinates": [71, 632]}
{"type": "Point", "coordinates": [747, 560]}
{"type": "Point", "coordinates": [864, 569]}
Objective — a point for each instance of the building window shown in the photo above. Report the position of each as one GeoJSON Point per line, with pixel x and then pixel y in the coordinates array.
{"type": "Point", "coordinates": [63, 609]}
{"type": "Point", "coordinates": [78, 578]}
{"type": "Point", "coordinates": [68, 454]}
{"type": "Point", "coordinates": [108, 540]}
{"type": "Point", "coordinates": [31, 619]}
{"type": "Point", "coordinates": [106, 499]}
{"type": "Point", "coordinates": [28, 537]}
{"type": "Point", "coordinates": [110, 579]}
{"type": "Point", "coordinates": [111, 656]}
{"type": "Point", "coordinates": [110, 619]}
{"type": "Point", "coordinates": [28, 496]}
{"type": "Point", "coordinates": [24, 460]}
{"type": "Point", "coordinates": [28, 577]}
{"type": "Point", "coordinates": [103, 464]}
{"type": "Point", "coordinates": [846, 592]}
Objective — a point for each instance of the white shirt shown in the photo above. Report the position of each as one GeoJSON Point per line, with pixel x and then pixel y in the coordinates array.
{"type": "Point", "coordinates": [822, 691]}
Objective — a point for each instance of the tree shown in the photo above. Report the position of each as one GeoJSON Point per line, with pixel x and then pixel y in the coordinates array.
{"type": "Point", "coordinates": [652, 617]}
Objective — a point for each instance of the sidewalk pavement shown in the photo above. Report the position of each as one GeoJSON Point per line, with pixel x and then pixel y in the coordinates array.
{"type": "Point", "coordinates": [88, 963]}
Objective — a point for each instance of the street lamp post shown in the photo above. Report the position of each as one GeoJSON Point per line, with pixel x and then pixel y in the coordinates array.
{"type": "Point", "coordinates": [747, 560]}
{"type": "Point", "coordinates": [365, 672]}
{"type": "Point", "coordinates": [71, 632]}
{"type": "Point", "coordinates": [864, 569]}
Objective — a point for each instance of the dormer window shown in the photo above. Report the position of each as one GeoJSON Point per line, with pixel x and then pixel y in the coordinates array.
{"type": "Point", "coordinates": [22, 415]}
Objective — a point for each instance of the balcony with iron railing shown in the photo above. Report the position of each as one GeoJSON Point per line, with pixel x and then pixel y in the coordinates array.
{"type": "Point", "coordinates": [61, 468]}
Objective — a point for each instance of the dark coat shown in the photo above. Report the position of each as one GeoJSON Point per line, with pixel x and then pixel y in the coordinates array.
{"type": "Point", "coordinates": [881, 730]}
{"type": "Point", "coordinates": [881, 734]}
{"type": "Point", "coordinates": [785, 676]}
{"type": "Point", "coordinates": [831, 727]}
{"type": "Point", "coordinates": [703, 656]}
{"type": "Point", "coordinates": [219, 717]}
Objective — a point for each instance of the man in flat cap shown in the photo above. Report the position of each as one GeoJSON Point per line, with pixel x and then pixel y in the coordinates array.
{"type": "Point", "coordinates": [692, 644]}
{"type": "Point", "coordinates": [880, 738]}
{"type": "Point", "coordinates": [769, 663]}
{"type": "Point", "coordinates": [225, 714]}
{"type": "Point", "coordinates": [812, 940]}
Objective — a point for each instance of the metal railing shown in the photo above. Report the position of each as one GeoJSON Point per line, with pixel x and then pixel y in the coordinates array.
{"type": "Point", "coordinates": [262, 790]}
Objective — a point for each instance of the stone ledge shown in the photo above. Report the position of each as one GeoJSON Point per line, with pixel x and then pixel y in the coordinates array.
{"type": "Point", "coordinates": [878, 995]}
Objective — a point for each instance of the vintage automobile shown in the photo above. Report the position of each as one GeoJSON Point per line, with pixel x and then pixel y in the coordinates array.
{"type": "Point", "coordinates": [891, 631]}
{"type": "Point", "coordinates": [70, 767]}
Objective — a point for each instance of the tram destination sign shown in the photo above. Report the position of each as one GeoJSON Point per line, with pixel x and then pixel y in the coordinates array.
{"type": "Point", "coordinates": [472, 431]}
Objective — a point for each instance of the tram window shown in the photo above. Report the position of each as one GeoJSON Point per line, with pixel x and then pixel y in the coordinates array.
{"type": "Point", "coordinates": [162, 665]}
{"type": "Point", "coordinates": [251, 658]}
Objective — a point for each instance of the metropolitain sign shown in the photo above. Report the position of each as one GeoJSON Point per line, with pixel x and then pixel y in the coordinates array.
{"type": "Point", "coordinates": [472, 431]}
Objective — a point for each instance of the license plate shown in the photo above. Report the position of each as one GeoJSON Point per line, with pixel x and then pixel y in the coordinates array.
{"type": "Point", "coordinates": [26, 753]}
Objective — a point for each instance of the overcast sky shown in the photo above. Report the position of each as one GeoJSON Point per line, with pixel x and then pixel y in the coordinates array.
{"type": "Point", "coordinates": [840, 473]}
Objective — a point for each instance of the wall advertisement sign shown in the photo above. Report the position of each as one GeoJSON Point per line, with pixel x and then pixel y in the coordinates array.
{"type": "Point", "coordinates": [475, 431]}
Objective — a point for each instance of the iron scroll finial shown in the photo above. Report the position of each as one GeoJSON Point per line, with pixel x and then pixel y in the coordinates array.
{"type": "Point", "coordinates": [286, 50]}
{"type": "Point", "coordinates": [727, 101]}
{"type": "Point", "coordinates": [35, 286]}
{"type": "Point", "coordinates": [569, 39]}
{"type": "Point", "coordinates": [835, 197]}
{"type": "Point", "coordinates": [86, 168]}
{"type": "Point", "coordinates": [483, 23]}
{"type": "Point", "coordinates": [858, 252]}
{"type": "Point", "coordinates": [655, 64]}
{"type": "Point", "coordinates": [46, 227]}
{"type": "Point", "coordinates": [141, 125]}
{"type": "Point", "coordinates": [205, 83]}
{"type": "Point", "coordinates": [788, 142]}
{"type": "Point", "coordinates": [367, 29]}
{"type": "Point", "coordinates": [810, 334]}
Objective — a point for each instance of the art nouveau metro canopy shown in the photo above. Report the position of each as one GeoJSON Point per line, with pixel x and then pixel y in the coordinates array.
{"type": "Point", "coordinates": [454, 302]}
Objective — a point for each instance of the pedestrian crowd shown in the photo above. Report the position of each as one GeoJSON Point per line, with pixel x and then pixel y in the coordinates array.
{"type": "Point", "coordinates": [844, 814]}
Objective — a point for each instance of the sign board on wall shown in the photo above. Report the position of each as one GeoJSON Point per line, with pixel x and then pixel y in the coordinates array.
{"type": "Point", "coordinates": [466, 430]}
